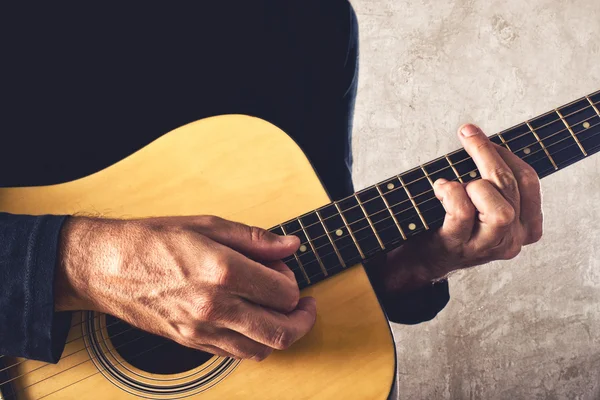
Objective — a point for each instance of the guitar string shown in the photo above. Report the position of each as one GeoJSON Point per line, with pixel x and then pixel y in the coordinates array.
{"type": "Point", "coordinates": [77, 365]}
{"type": "Point", "coordinates": [142, 336]}
{"type": "Point", "coordinates": [390, 227]}
{"type": "Point", "coordinates": [100, 371]}
{"type": "Point", "coordinates": [451, 165]}
{"type": "Point", "coordinates": [334, 240]}
{"type": "Point", "coordinates": [339, 248]}
{"type": "Point", "coordinates": [425, 201]}
{"type": "Point", "coordinates": [414, 197]}
{"type": "Point", "coordinates": [441, 219]}
{"type": "Point", "coordinates": [69, 341]}
{"type": "Point", "coordinates": [15, 393]}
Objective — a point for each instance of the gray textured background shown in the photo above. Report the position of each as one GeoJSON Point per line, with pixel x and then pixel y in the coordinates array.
{"type": "Point", "coordinates": [527, 328]}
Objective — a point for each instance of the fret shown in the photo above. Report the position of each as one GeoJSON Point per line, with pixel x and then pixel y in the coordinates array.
{"type": "Point", "coordinates": [387, 206]}
{"type": "Point", "coordinates": [594, 100]}
{"type": "Point", "coordinates": [306, 255]}
{"type": "Point", "coordinates": [429, 207]}
{"type": "Point", "coordinates": [542, 143]}
{"type": "Point", "coordinates": [343, 239]}
{"type": "Point", "coordinates": [312, 246]}
{"type": "Point", "coordinates": [415, 184]}
{"type": "Point", "coordinates": [464, 164]}
{"type": "Point", "coordinates": [427, 176]}
{"type": "Point", "coordinates": [562, 118]}
{"type": "Point", "coordinates": [441, 168]}
{"type": "Point", "coordinates": [359, 226]}
{"type": "Point", "coordinates": [588, 128]}
{"type": "Point", "coordinates": [501, 140]}
{"type": "Point", "coordinates": [369, 221]}
{"type": "Point", "coordinates": [454, 169]}
{"type": "Point", "coordinates": [321, 244]}
{"type": "Point", "coordinates": [382, 222]}
{"type": "Point", "coordinates": [409, 221]}
{"type": "Point", "coordinates": [337, 252]}
{"type": "Point", "coordinates": [385, 215]}
{"type": "Point", "coordinates": [527, 147]}
{"type": "Point", "coordinates": [558, 140]}
{"type": "Point", "coordinates": [293, 262]}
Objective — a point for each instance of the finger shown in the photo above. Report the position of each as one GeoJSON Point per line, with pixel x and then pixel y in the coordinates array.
{"type": "Point", "coordinates": [528, 181]}
{"type": "Point", "coordinates": [239, 346]}
{"type": "Point", "coordinates": [207, 348]}
{"type": "Point", "coordinates": [254, 242]}
{"type": "Point", "coordinates": [491, 166]}
{"type": "Point", "coordinates": [495, 215]}
{"type": "Point", "coordinates": [280, 267]}
{"type": "Point", "coordinates": [278, 331]}
{"type": "Point", "coordinates": [460, 211]}
{"type": "Point", "coordinates": [236, 274]}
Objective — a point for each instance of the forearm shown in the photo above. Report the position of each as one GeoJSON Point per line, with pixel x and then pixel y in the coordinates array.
{"type": "Point", "coordinates": [29, 327]}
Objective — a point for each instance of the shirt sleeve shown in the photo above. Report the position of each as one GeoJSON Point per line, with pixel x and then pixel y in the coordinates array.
{"type": "Point", "coordinates": [417, 306]}
{"type": "Point", "coordinates": [29, 326]}
{"type": "Point", "coordinates": [411, 307]}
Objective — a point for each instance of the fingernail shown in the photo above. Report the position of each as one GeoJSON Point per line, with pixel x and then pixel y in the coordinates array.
{"type": "Point", "coordinates": [311, 300]}
{"type": "Point", "coordinates": [440, 181]}
{"type": "Point", "coordinates": [469, 130]}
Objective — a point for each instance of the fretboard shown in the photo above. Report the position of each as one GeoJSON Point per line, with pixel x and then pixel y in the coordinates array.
{"type": "Point", "coordinates": [382, 217]}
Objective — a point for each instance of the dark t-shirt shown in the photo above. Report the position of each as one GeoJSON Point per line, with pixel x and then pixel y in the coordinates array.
{"type": "Point", "coordinates": [83, 87]}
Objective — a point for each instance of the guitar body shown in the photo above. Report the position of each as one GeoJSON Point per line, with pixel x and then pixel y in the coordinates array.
{"type": "Point", "coordinates": [246, 170]}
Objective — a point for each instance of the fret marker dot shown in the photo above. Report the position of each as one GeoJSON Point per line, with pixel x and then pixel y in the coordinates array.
{"type": "Point", "coordinates": [339, 232]}
{"type": "Point", "coordinates": [526, 150]}
{"type": "Point", "coordinates": [586, 125]}
{"type": "Point", "coordinates": [412, 226]}
{"type": "Point", "coordinates": [390, 186]}
{"type": "Point", "coordinates": [473, 174]}
{"type": "Point", "coordinates": [303, 248]}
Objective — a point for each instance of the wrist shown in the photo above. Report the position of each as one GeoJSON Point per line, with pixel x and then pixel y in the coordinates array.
{"type": "Point", "coordinates": [84, 249]}
{"type": "Point", "coordinates": [411, 268]}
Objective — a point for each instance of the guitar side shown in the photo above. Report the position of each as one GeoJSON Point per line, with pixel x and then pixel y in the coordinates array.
{"type": "Point", "coordinates": [244, 169]}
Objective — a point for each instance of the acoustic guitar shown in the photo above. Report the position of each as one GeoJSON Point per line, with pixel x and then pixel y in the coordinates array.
{"type": "Point", "coordinates": [197, 169]}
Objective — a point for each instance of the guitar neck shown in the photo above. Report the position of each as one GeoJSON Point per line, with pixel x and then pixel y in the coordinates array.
{"type": "Point", "coordinates": [382, 217]}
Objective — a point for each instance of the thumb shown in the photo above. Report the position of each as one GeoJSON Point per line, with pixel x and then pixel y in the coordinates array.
{"type": "Point", "coordinates": [253, 242]}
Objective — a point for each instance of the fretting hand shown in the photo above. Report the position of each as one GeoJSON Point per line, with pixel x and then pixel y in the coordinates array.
{"type": "Point", "coordinates": [191, 279]}
{"type": "Point", "coordinates": [486, 219]}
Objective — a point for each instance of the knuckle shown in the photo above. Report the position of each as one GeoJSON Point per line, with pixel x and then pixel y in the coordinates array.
{"type": "Point", "coordinates": [502, 216]}
{"type": "Point", "coordinates": [451, 188]}
{"type": "Point", "coordinates": [504, 179]}
{"type": "Point", "coordinates": [187, 334]}
{"type": "Point", "coordinates": [209, 220]}
{"type": "Point", "coordinates": [257, 234]}
{"type": "Point", "coordinates": [293, 299]}
{"type": "Point", "coordinates": [282, 338]}
{"type": "Point", "coordinates": [529, 178]}
{"type": "Point", "coordinates": [535, 233]}
{"type": "Point", "coordinates": [208, 311]}
{"type": "Point", "coordinates": [224, 276]}
{"type": "Point", "coordinates": [464, 211]}
{"type": "Point", "coordinates": [511, 252]}
{"type": "Point", "coordinates": [484, 145]}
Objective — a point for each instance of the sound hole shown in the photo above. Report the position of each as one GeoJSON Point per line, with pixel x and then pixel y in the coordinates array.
{"type": "Point", "coordinates": [152, 353]}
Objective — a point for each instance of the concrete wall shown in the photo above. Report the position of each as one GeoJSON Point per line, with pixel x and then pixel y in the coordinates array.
{"type": "Point", "coordinates": [527, 328]}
